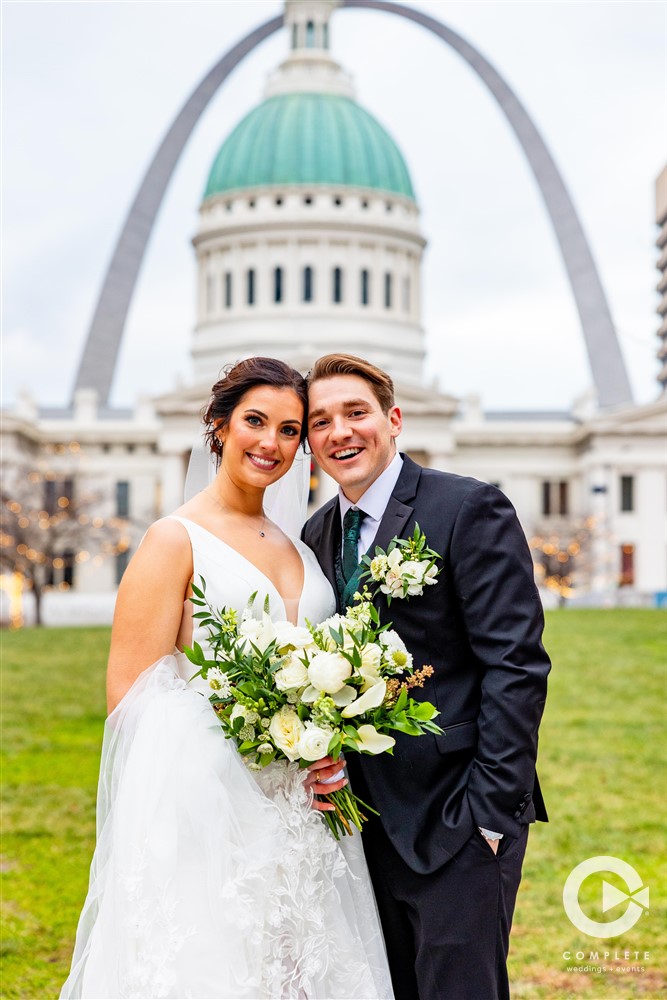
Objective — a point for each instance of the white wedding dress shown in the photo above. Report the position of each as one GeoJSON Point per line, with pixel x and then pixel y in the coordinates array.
{"type": "Point", "coordinates": [210, 880]}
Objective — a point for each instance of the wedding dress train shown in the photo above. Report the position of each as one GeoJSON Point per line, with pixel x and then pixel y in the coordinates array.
{"type": "Point", "coordinates": [209, 880]}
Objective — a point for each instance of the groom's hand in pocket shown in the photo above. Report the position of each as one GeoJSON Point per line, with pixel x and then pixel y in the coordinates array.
{"type": "Point", "coordinates": [318, 780]}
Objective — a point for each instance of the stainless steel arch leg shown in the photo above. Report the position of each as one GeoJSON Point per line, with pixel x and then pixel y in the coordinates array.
{"type": "Point", "coordinates": [604, 351]}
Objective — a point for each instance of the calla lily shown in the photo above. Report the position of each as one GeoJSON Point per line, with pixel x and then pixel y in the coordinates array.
{"type": "Point", "coordinates": [310, 695]}
{"type": "Point", "coordinates": [344, 697]}
{"type": "Point", "coordinates": [372, 698]}
{"type": "Point", "coordinates": [373, 742]}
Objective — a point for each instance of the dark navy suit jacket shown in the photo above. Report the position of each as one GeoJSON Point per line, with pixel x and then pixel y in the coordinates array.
{"type": "Point", "coordinates": [480, 627]}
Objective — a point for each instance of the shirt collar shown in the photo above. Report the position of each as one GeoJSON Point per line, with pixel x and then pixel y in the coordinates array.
{"type": "Point", "coordinates": [374, 501]}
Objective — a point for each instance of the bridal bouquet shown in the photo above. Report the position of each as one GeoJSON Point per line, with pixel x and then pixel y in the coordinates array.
{"type": "Point", "coordinates": [284, 692]}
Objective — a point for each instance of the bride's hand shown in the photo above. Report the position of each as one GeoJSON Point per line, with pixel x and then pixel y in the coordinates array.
{"type": "Point", "coordinates": [316, 780]}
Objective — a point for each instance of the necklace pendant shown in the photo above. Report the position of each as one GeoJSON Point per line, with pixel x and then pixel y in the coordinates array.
{"type": "Point", "coordinates": [262, 534]}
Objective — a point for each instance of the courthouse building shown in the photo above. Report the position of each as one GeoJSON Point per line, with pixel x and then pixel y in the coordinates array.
{"type": "Point", "coordinates": [310, 241]}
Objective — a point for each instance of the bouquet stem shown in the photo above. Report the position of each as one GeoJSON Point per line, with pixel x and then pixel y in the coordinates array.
{"type": "Point", "coordinates": [346, 812]}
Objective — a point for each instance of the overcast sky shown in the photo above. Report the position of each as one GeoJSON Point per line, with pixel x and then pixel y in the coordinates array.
{"type": "Point", "coordinates": [89, 88]}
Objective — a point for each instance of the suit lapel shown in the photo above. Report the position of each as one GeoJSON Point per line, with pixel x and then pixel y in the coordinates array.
{"type": "Point", "coordinates": [396, 516]}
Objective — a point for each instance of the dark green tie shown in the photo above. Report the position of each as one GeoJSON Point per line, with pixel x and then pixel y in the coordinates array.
{"type": "Point", "coordinates": [351, 528]}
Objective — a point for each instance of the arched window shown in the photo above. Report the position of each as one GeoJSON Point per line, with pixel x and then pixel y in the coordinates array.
{"type": "Point", "coordinates": [325, 36]}
{"type": "Point", "coordinates": [228, 289]}
{"type": "Point", "coordinates": [308, 284]}
{"type": "Point", "coordinates": [337, 289]}
{"type": "Point", "coordinates": [387, 290]}
{"type": "Point", "coordinates": [295, 36]}
{"type": "Point", "coordinates": [210, 294]}
{"type": "Point", "coordinates": [277, 284]}
{"type": "Point", "coordinates": [310, 35]}
{"type": "Point", "coordinates": [365, 288]}
{"type": "Point", "coordinates": [250, 286]}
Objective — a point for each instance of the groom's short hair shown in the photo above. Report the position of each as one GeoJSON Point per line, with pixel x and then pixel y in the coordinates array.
{"type": "Point", "coordinates": [349, 364]}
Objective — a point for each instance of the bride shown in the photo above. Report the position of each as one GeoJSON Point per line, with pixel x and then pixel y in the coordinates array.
{"type": "Point", "coordinates": [209, 880]}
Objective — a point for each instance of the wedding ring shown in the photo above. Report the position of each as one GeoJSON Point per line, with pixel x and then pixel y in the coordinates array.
{"type": "Point", "coordinates": [317, 777]}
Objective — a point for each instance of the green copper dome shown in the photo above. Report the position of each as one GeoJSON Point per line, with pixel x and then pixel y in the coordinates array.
{"type": "Point", "coordinates": [309, 139]}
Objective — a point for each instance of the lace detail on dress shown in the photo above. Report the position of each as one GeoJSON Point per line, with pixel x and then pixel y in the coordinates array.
{"type": "Point", "coordinates": [157, 936]}
{"type": "Point", "coordinates": [304, 937]}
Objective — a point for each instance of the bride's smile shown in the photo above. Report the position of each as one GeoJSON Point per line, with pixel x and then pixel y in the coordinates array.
{"type": "Point", "coordinates": [262, 436]}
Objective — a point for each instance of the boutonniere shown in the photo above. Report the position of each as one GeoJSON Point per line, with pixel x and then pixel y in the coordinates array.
{"type": "Point", "coordinates": [405, 568]}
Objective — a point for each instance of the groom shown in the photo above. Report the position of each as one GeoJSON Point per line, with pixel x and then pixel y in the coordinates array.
{"type": "Point", "coordinates": [445, 855]}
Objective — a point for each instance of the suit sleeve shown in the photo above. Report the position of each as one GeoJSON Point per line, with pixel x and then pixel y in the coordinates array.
{"type": "Point", "coordinates": [502, 613]}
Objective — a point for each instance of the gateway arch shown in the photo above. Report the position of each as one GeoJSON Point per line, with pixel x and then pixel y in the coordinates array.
{"type": "Point", "coordinates": [103, 342]}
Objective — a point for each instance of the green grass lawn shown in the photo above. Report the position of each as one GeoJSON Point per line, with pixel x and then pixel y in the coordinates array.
{"type": "Point", "coordinates": [601, 765]}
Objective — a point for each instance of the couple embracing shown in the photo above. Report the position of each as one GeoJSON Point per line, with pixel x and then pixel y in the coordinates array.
{"type": "Point", "coordinates": [210, 880]}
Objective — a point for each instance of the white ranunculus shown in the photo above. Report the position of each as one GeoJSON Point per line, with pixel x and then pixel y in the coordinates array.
{"type": "Point", "coordinates": [314, 743]}
{"type": "Point", "coordinates": [291, 636]}
{"type": "Point", "coordinates": [291, 676]}
{"type": "Point", "coordinates": [373, 742]}
{"type": "Point", "coordinates": [372, 698]}
{"type": "Point", "coordinates": [286, 729]}
{"type": "Point", "coordinates": [329, 671]}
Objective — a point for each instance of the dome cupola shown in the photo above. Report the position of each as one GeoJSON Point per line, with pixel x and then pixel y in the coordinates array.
{"type": "Point", "coordinates": [309, 238]}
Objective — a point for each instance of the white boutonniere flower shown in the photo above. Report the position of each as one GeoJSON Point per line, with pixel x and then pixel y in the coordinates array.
{"type": "Point", "coordinates": [405, 569]}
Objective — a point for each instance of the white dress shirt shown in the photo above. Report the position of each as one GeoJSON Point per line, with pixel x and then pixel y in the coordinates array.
{"type": "Point", "coordinates": [373, 503]}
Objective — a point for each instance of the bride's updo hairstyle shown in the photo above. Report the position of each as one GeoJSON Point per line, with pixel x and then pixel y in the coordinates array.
{"type": "Point", "coordinates": [237, 380]}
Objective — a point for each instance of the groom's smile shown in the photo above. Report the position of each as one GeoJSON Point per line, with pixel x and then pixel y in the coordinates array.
{"type": "Point", "coordinates": [345, 454]}
{"type": "Point", "coordinates": [352, 438]}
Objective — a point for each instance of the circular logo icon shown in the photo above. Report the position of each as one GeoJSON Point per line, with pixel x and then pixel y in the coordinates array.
{"type": "Point", "coordinates": [636, 897]}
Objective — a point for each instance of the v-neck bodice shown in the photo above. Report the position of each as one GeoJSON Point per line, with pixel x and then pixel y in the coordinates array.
{"type": "Point", "coordinates": [231, 579]}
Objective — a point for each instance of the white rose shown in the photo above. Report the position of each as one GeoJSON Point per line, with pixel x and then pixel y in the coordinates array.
{"type": "Point", "coordinates": [329, 671]}
{"type": "Point", "coordinates": [288, 635]}
{"type": "Point", "coordinates": [291, 676]}
{"type": "Point", "coordinates": [314, 744]}
{"type": "Point", "coordinates": [286, 729]}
